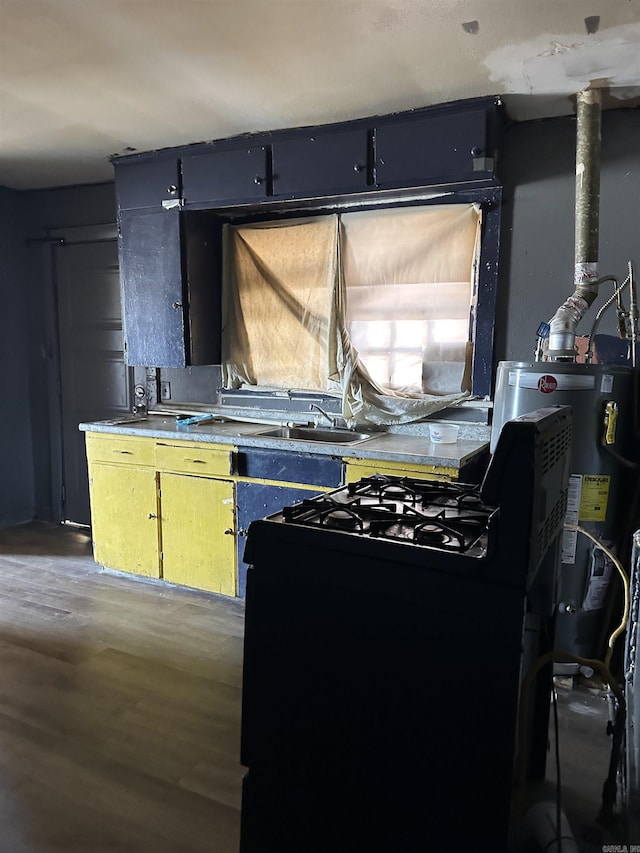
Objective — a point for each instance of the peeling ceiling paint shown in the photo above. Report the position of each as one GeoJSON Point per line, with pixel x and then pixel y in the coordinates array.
{"type": "Point", "coordinates": [81, 80]}
{"type": "Point", "coordinates": [553, 67]}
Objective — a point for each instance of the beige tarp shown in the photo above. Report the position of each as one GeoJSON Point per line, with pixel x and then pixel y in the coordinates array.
{"type": "Point", "coordinates": [279, 304]}
{"type": "Point", "coordinates": [292, 288]}
{"type": "Point", "coordinates": [412, 264]}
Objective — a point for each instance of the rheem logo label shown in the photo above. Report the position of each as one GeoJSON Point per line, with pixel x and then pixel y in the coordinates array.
{"type": "Point", "coordinates": [547, 384]}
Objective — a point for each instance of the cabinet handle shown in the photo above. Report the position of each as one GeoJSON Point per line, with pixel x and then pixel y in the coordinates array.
{"type": "Point", "coordinates": [258, 179]}
{"type": "Point", "coordinates": [358, 167]}
{"type": "Point", "coordinates": [197, 461]}
{"type": "Point", "coordinates": [228, 531]}
{"type": "Point", "coordinates": [177, 305]}
{"type": "Point", "coordinates": [152, 515]}
{"type": "Point", "coordinates": [172, 189]}
{"type": "Point", "coordinates": [124, 452]}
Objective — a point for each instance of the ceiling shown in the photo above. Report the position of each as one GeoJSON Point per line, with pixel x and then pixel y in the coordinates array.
{"type": "Point", "coordinates": [81, 80]}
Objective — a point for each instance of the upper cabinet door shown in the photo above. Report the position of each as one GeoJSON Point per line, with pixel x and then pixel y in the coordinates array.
{"type": "Point", "coordinates": [221, 177]}
{"type": "Point", "coordinates": [152, 289]}
{"type": "Point", "coordinates": [170, 288]}
{"type": "Point", "coordinates": [433, 149]}
{"type": "Point", "coordinates": [151, 184]}
{"type": "Point", "coordinates": [324, 162]}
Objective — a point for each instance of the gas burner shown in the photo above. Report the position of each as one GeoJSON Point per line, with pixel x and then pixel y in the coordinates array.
{"type": "Point", "coordinates": [349, 514]}
{"type": "Point", "coordinates": [311, 509]}
{"type": "Point", "coordinates": [469, 500]}
{"type": "Point", "coordinates": [445, 530]}
{"type": "Point", "coordinates": [432, 533]}
{"type": "Point", "coordinates": [387, 488]}
{"type": "Point", "coordinates": [436, 533]}
{"type": "Point", "coordinates": [340, 519]}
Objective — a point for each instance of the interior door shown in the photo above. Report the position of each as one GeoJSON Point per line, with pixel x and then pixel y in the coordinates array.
{"type": "Point", "coordinates": [95, 383]}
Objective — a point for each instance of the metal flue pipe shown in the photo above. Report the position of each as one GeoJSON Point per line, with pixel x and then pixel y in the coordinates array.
{"type": "Point", "coordinates": [564, 322]}
{"type": "Point", "coordinates": [589, 111]}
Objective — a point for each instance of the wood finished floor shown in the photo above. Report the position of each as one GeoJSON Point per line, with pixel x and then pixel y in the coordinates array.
{"type": "Point", "coordinates": [119, 706]}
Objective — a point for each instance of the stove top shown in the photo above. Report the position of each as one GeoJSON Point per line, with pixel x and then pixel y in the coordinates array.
{"type": "Point", "coordinates": [446, 516]}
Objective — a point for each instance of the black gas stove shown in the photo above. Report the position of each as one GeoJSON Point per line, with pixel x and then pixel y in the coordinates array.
{"type": "Point", "coordinates": [384, 635]}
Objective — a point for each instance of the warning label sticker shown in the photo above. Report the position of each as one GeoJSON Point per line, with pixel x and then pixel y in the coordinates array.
{"type": "Point", "coordinates": [594, 497]}
{"type": "Point", "coordinates": [570, 537]}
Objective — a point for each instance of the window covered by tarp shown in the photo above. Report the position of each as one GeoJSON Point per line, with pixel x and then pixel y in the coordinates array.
{"type": "Point", "coordinates": [371, 306]}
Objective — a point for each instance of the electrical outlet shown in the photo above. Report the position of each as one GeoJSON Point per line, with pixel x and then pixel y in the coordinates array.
{"type": "Point", "coordinates": [165, 390]}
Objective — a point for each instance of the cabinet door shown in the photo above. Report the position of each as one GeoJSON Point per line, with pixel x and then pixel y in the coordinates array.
{"type": "Point", "coordinates": [257, 500]}
{"type": "Point", "coordinates": [170, 293]}
{"type": "Point", "coordinates": [152, 289]}
{"type": "Point", "coordinates": [321, 163]}
{"type": "Point", "coordinates": [147, 185]}
{"type": "Point", "coordinates": [433, 149]}
{"type": "Point", "coordinates": [198, 532]}
{"type": "Point", "coordinates": [219, 177]}
{"type": "Point", "coordinates": [124, 513]}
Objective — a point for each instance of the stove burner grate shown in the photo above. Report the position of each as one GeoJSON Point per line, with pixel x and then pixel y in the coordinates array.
{"type": "Point", "coordinates": [386, 487]}
{"type": "Point", "coordinates": [448, 516]}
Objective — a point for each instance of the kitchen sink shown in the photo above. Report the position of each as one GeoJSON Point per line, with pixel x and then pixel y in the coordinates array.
{"type": "Point", "coordinates": [329, 436]}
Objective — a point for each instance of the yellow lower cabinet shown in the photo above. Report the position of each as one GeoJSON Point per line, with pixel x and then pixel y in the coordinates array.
{"type": "Point", "coordinates": [356, 470]}
{"type": "Point", "coordinates": [124, 513]}
{"type": "Point", "coordinates": [198, 532]}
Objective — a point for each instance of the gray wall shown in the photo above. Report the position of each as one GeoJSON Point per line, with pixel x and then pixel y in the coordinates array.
{"type": "Point", "coordinates": [44, 211]}
{"type": "Point", "coordinates": [16, 333]}
{"type": "Point", "coordinates": [536, 268]}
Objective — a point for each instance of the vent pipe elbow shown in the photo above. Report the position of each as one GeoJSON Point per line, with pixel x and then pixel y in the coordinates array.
{"type": "Point", "coordinates": [563, 325]}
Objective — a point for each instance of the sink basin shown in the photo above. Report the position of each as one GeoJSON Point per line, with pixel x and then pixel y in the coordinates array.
{"type": "Point", "coordinates": [329, 436]}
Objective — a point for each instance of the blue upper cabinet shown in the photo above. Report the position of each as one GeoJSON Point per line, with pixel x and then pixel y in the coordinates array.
{"type": "Point", "coordinates": [433, 147]}
{"type": "Point", "coordinates": [148, 184]}
{"type": "Point", "coordinates": [171, 205]}
{"type": "Point", "coordinates": [223, 176]}
{"type": "Point", "coordinates": [321, 162]}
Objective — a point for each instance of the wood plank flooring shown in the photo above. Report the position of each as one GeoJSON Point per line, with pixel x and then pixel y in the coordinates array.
{"type": "Point", "coordinates": [119, 705]}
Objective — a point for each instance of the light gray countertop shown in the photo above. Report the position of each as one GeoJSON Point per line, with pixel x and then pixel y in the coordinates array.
{"type": "Point", "coordinates": [383, 446]}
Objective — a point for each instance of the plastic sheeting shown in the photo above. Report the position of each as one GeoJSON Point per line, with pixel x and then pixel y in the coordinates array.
{"type": "Point", "coordinates": [293, 289]}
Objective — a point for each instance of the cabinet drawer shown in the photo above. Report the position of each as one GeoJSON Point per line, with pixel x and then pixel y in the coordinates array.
{"type": "Point", "coordinates": [194, 459]}
{"type": "Point", "coordinates": [123, 449]}
{"type": "Point", "coordinates": [289, 467]}
{"type": "Point", "coordinates": [368, 467]}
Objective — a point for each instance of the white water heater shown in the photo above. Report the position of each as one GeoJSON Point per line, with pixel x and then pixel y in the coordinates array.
{"type": "Point", "coordinates": [601, 397]}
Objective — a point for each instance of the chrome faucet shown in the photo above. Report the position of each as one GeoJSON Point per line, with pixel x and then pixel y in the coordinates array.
{"type": "Point", "coordinates": [333, 421]}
